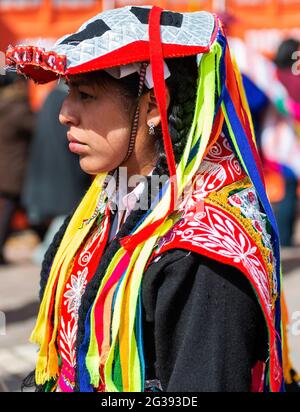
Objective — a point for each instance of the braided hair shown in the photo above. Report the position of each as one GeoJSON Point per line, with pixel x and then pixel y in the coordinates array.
{"type": "Point", "coordinates": [50, 254]}
{"type": "Point", "coordinates": [182, 88]}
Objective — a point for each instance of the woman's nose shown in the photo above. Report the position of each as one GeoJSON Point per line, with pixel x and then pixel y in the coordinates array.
{"type": "Point", "coordinates": [67, 115]}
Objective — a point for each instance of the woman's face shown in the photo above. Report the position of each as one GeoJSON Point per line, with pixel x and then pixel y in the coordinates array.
{"type": "Point", "coordinates": [99, 123]}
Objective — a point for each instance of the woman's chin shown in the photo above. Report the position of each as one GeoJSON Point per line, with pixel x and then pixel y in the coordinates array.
{"type": "Point", "coordinates": [92, 169]}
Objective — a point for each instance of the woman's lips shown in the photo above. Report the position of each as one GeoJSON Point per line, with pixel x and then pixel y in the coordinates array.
{"type": "Point", "coordinates": [75, 146]}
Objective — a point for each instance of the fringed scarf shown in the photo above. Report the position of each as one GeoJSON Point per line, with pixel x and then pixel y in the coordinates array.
{"type": "Point", "coordinates": [111, 355]}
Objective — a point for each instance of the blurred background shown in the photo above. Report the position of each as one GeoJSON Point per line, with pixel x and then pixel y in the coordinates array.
{"type": "Point", "coordinates": [40, 180]}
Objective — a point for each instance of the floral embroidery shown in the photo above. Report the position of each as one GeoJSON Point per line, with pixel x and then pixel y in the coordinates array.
{"type": "Point", "coordinates": [219, 168]}
{"type": "Point", "coordinates": [246, 200]}
{"type": "Point", "coordinates": [248, 203]}
{"type": "Point", "coordinates": [76, 288]}
{"type": "Point", "coordinates": [229, 223]}
{"type": "Point", "coordinates": [83, 268]}
{"type": "Point", "coordinates": [67, 342]}
{"type": "Point", "coordinates": [217, 232]}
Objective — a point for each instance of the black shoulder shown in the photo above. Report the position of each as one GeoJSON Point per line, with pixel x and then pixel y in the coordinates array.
{"type": "Point", "coordinates": [207, 325]}
{"type": "Point", "coordinates": [179, 267]}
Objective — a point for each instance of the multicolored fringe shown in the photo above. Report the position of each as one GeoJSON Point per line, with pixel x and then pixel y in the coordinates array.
{"type": "Point", "coordinates": [121, 368]}
{"type": "Point", "coordinates": [44, 333]}
{"type": "Point", "coordinates": [111, 356]}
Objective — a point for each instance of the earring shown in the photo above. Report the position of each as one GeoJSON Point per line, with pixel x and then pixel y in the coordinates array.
{"type": "Point", "coordinates": [152, 129]}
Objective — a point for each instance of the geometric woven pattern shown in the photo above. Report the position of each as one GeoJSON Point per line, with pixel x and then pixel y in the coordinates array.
{"type": "Point", "coordinates": [120, 27]}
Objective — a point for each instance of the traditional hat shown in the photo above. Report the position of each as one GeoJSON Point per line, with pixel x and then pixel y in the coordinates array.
{"type": "Point", "coordinates": [117, 38]}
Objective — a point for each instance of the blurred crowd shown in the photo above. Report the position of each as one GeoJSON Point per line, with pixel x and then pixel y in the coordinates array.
{"type": "Point", "coordinates": [273, 93]}
{"type": "Point", "coordinates": [41, 181]}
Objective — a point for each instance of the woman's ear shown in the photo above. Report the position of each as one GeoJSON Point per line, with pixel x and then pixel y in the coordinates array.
{"type": "Point", "coordinates": [153, 115]}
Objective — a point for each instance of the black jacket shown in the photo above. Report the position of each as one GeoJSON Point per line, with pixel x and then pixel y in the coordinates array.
{"type": "Point", "coordinates": [203, 327]}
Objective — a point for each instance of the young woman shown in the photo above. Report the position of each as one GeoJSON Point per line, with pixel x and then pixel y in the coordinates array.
{"type": "Point", "coordinates": [172, 284]}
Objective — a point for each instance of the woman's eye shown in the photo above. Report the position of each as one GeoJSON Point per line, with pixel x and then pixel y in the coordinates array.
{"type": "Point", "coordinates": [84, 96]}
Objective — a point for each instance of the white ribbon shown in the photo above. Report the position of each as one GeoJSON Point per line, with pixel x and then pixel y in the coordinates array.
{"type": "Point", "coordinates": [122, 71]}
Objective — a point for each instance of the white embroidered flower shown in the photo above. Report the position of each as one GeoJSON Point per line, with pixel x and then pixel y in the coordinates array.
{"type": "Point", "coordinates": [76, 287]}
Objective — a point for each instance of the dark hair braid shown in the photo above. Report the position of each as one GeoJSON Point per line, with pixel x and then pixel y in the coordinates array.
{"type": "Point", "coordinates": [50, 254]}
{"type": "Point", "coordinates": [182, 88]}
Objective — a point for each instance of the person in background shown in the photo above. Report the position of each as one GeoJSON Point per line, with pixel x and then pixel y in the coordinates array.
{"type": "Point", "coordinates": [280, 139]}
{"type": "Point", "coordinates": [16, 125]}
